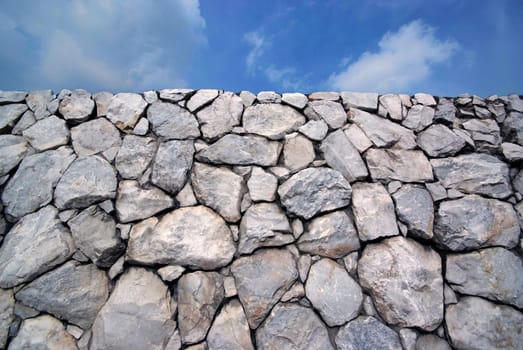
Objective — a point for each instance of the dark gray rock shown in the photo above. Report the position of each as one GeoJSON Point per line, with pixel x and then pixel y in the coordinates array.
{"type": "Point", "coordinates": [367, 333]}
{"type": "Point", "coordinates": [134, 156]}
{"type": "Point", "coordinates": [43, 332]}
{"type": "Point", "coordinates": [440, 141]}
{"type": "Point", "coordinates": [230, 329]}
{"type": "Point", "coordinates": [136, 203]}
{"type": "Point", "coordinates": [261, 280]}
{"type": "Point", "coordinates": [272, 120]}
{"type": "Point", "coordinates": [221, 116]}
{"type": "Point", "coordinates": [314, 190]}
{"type": "Point", "coordinates": [170, 121]}
{"type": "Point", "coordinates": [341, 155]}
{"type": "Point", "coordinates": [47, 133]}
{"type": "Point", "coordinates": [474, 323]}
{"type": "Point", "coordinates": [398, 164]}
{"type": "Point", "coordinates": [172, 164]}
{"type": "Point", "coordinates": [472, 222]}
{"type": "Point", "coordinates": [125, 109]}
{"type": "Point", "coordinates": [76, 106]}
{"type": "Point", "coordinates": [415, 209]}
{"type": "Point", "coordinates": [7, 307]}
{"type": "Point", "coordinates": [12, 150]}
{"type": "Point", "coordinates": [95, 136]}
{"type": "Point", "coordinates": [512, 129]}
{"type": "Point", "coordinates": [292, 326]}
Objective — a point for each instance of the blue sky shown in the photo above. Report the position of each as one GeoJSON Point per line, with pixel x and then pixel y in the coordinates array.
{"type": "Point", "coordinates": [444, 47]}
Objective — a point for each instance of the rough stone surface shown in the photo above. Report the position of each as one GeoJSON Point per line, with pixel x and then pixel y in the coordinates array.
{"type": "Point", "coordinates": [431, 342]}
{"type": "Point", "coordinates": [134, 156]}
{"type": "Point", "coordinates": [95, 136]}
{"type": "Point", "coordinates": [201, 98]}
{"type": "Point", "coordinates": [7, 313]}
{"type": "Point", "coordinates": [415, 209]}
{"type": "Point", "coordinates": [341, 155]}
{"type": "Point", "coordinates": [418, 118]}
{"type": "Point", "coordinates": [391, 106]}
{"type": "Point", "coordinates": [12, 96]}
{"type": "Point", "coordinates": [47, 133]}
{"type": "Point", "coordinates": [397, 164]}
{"type": "Point", "coordinates": [405, 282]}
{"type": "Point", "coordinates": [12, 150]}
{"type": "Point", "coordinates": [221, 116]}
{"type": "Point", "coordinates": [440, 141]}
{"type": "Point", "coordinates": [295, 99]}
{"type": "Point", "coordinates": [331, 112]}
{"type": "Point", "coordinates": [38, 101]}
{"type": "Point", "coordinates": [170, 121]}
{"type": "Point", "coordinates": [171, 165]}
{"type": "Point", "coordinates": [102, 100]}
{"type": "Point", "coordinates": [272, 120]}
{"type": "Point", "coordinates": [230, 329]}
{"type": "Point", "coordinates": [125, 109]}
{"type": "Point", "coordinates": [9, 114]}
{"type": "Point", "coordinates": [43, 332]}
{"type": "Point", "coordinates": [136, 203]}
{"type": "Point", "coordinates": [358, 138]}
{"type": "Point", "coordinates": [77, 106]}
{"type": "Point", "coordinates": [362, 100]}
{"type": "Point", "coordinates": [262, 185]}
{"type": "Point", "coordinates": [315, 130]}
{"type": "Point", "coordinates": [298, 153]}
{"type": "Point", "coordinates": [367, 333]}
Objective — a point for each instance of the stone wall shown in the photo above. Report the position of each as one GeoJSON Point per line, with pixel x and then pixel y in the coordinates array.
{"type": "Point", "coordinates": [213, 220]}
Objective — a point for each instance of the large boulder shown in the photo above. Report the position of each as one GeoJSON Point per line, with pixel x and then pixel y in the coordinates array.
{"type": "Point", "coordinates": [272, 120]}
{"type": "Point", "coordinates": [170, 121]}
{"type": "Point", "coordinates": [125, 109]}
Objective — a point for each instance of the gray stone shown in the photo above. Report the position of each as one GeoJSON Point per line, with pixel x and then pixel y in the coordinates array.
{"type": "Point", "coordinates": [292, 326]}
{"type": "Point", "coordinates": [298, 153]}
{"type": "Point", "coordinates": [341, 155]}
{"type": "Point", "coordinates": [324, 95]}
{"type": "Point", "coordinates": [362, 100]}
{"type": "Point", "coordinates": [221, 116]}
{"type": "Point", "coordinates": [175, 95]}
{"type": "Point", "coordinates": [230, 329]}
{"type": "Point", "coordinates": [332, 235]}
{"type": "Point", "coordinates": [125, 109]}
{"type": "Point", "coordinates": [77, 106]}
{"type": "Point", "coordinates": [358, 138]}
{"type": "Point", "coordinates": [493, 273]}
{"type": "Point", "coordinates": [415, 209]}
{"type": "Point", "coordinates": [486, 130]}
{"type": "Point", "coordinates": [102, 100]}
{"type": "Point", "coordinates": [350, 261]}
{"type": "Point", "coordinates": [7, 306]}
{"type": "Point", "coordinates": [107, 206]}
{"type": "Point", "coordinates": [367, 333]}
{"type": "Point", "coordinates": [512, 151]}
{"type": "Point", "coordinates": [474, 323]}
{"type": "Point", "coordinates": [172, 164]}
{"type": "Point", "coordinates": [418, 118]}
{"type": "Point", "coordinates": [262, 185]}
{"type": "Point", "coordinates": [261, 280]}
{"type": "Point", "coordinates": [247, 97]}
{"type": "Point", "coordinates": [512, 129]}
{"type": "Point", "coordinates": [431, 342]}
{"type": "Point", "coordinates": [117, 268]}
{"type": "Point", "coordinates": [12, 96]}
{"type": "Point", "coordinates": [171, 272]}
{"type": "Point", "coordinates": [498, 110]}
{"type": "Point", "coordinates": [315, 130]}
{"type": "Point", "coordinates": [383, 132]}
{"type": "Point", "coordinates": [75, 331]}
{"type": "Point", "coordinates": [95, 136]}
{"type": "Point", "coordinates": [398, 164]}
{"type": "Point", "coordinates": [193, 236]}
{"type": "Point", "coordinates": [449, 295]}
{"type": "Point", "coordinates": [230, 286]}
{"type": "Point", "coordinates": [391, 106]}
{"type": "Point", "coordinates": [373, 211]}
{"type": "Point", "coordinates": [142, 127]}
{"type": "Point", "coordinates": [135, 203]}
{"type": "Point", "coordinates": [35, 244]}
{"type": "Point", "coordinates": [136, 316]}
{"type": "Point", "coordinates": [47, 133]}
{"type": "Point", "coordinates": [474, 173]}
{"type": "Point", "coordinates": [517, 182]}
{"type": "Point", "coordinates": [218, 188]}
{"type": "Point", "coordinates": [295, 293]}
{"type": "Point", "coordinates": [272, 120]}
{"type": "Point", "coordinates": [268, 97]}
{"type": "Point", "coordinates": [332, 292]}
{"type": "Point", "coordinates": [199, 296]}
{"type": "Point", "coordinates": [38, 101]}
{"type": "Point", "coordinates": [94, 233]}
{"type": "Point", "coordinates": [408, 337]}
{"type": "Point", "coordinates": [264, 225]}
{"type": "Point", "coordinates": [295, 99]}
{"type": "Point", "coordinates": [12, 150]}
{"type": "Point", "coordinates": [72, 292]}
{"type": "Point", "coordinates": [314, 190]}
{"type": "Point", "coordinates": [201, 98]}
{"type": "Point", "coordinates": [332, 112]}
{"type": "Point", "coordinates": [43, 332]}
{"type": "Point", "coordinates": [9, 114]}
{"type": "Point", "coordinates": [170, 121]}
{"type": "Point", "coordinates": [88, 180]}
{"type": "Point", "coordinates": [405, 282]}
{"type": "Point", "coordinates": [242, 150]}
{"type": "Point", "coordinates": [440, 141]}
{"type": "Point", "coordinates": [515, 103]}
{"type": "Point", "coordinates": [186, 196]}
{"type": "Point", "coordinates": [134, 156]}
{"type": "Point", "coordinates": [27, 119]}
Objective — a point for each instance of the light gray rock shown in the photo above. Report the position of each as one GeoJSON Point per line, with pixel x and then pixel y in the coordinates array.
{"type": "Point", "coordinates": [262, 185]}
{"type": "Point", "coordinates": [186, 196]}
{"type": "Point", "coordinates": [391, 106]}
{"type": "Point", "coordinates": [248, 98]}
{"type": "Point", "coordinates": [315, 130]}
{"type": "Point", "coordinates": [472, 222]}
{"type": "Point", "coordinates": [437, 191]}
{"type": "Point", "coordinates": [264, 225]}
{"type": "Point", "coordinates": [142, 127]}
{"type": "Point", "coordinates": [398, 164]}
{"type": "Point", "coordinates": [221, 116]}
{"type": "Point", "coordinates": [383, 132]}
{"type": "Point", "coordinates": [440, 141]}
{"type": "Point", "coordinates": [431, 342]}
{"type": "Point", "coordinates": [31, 187]}
{"type": "Point", "coordinates": [474, 173]}
{"type": "Point", "coordinates": [27, 119]}
{"type": "Point", "coordinates": [268, 97]}
{"type": "Point", "coordinates": [192, 236]}
{"type": "Point", "coordinates": [331, 112]}
{"type": "Point", "coordinates": [512, 151]}
{"type": "Point", "coordinates": [295, 99]}
{"type": "Point", "coordinates": [88, 180]}
{"type": "Point", "coordinates": [405, 282]}
{"type": "Point", "coordinates": [35, 244]}
{"type": "Point", "coordinates": [12, 150]}
{"type": "Point", "coordinates": [241, 150]}
{"type": "Point", "coordinates": [171, 273]}
{"type": "Point", "coordinates": [230, 329]}
{"type": "Point", "coordinates": [12, 96]}
{"type": "Point", "coordinates": [77, 106]}
{"type": "Point", "coordinates": [9, 114]}
{"type": "Point", "coordinates": [117, 268]}
{"type": "Point", "coordinates": [172, 164]}
{"type": "Point", "coordinates": [272, 120]}
{"type": "Point", "coordinates": [136, 203]}
{"type": "Point", "coordinates": [484, 130]}
{"type": "Point", "coordinates": [298, 153]}
{"type": "Point", "coordinates": [415, 209]}
{"type": "Point", "coordinates": [493, 273]}
{"type": "Point", "coordinates": [125, 109]}
{"type": "Point", "coordinates": [102, 100]}
{"type": "Point", "coordinates": [367, 333]}
{"type": "Point", "coordinates": [332, 235]}
{"type": "Point", "coordinates": [363, 100]}
{"type": "Point", "coordinates": [475, 323]}
{"type": "Point", "coordinates": [94, 233]}
{"type": "Point", "coordinates": [419, 117]}
{"type": "Point", "coordinates": [95, 136]}
{"type": "Point", "coordinates": [498, 110]}
{"type": "Point", "coordinates": [7, 313]}
{"type": "Point", "coordinates": [425, 99]}
{"type": "Point", "coordinates": [295, 293]}
{"type": "Point", "coordinates": [517, 182]}
{"type": "Point", "coordinates": [38, 101]}
{"type": "Point", "coordinates": [373, 211]}
{"type": "Point", "coordinates": [72, 292]}
{"type": "Point", "coordinates": [332, 292]}
{"type": "Point", "coordinates": [512, 129]}
{"type": "Point", "coordinates": [43, 332]}
{"type": "Point", "coordinates": [341, 155]}
{"type": "Point", "coordinates": [201, 98]}
{"type": "Point", "coordinates": [408, 337]}
{"type": "Point", "coordinates": [47, 133]}
{"type": "Point", "coordinates": [140, 302]}
{"type": "Point", "coordinates": [515, 103]}
{"type": "Point", "coordinates": [261, 280]}
{"type": "Point", "coordinates": [175, 95]}
{"type": "Point", "coordinates": [358, 138]}
{"type": "Point", "coordinates": [135, 155]}
{"type": "Point", "coordinates": [324, 95]}
{"type": "Point", "coordinates": [170, 121]}
{"type": "Point", "coordinates": [199, 296]}
{"type": "Point", "coordinates": [218, 188]}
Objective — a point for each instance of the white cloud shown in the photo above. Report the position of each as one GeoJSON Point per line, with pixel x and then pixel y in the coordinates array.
{"type": "Point", "coordinates": [404, 58]}
{"type": "Point", "coordinates": [99, 44]}
{"type": "Point", "coordinates": [258, 44]}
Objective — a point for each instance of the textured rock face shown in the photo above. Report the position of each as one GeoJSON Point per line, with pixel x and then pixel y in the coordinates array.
{"type": "Point", "coordinates": [94, 137]}
{"type": "Point", "coordinates": [230, 329]}
{"type": "Point", "coordinates": [125, 109]}
{"type": "Point", "coordinates": [12, 150]}
{"type": "Point", "coordinates": [7, 307]}
{"type": "Point", "coordinates": [415, 209]}
{"type": "Point", "coordinates": [171, 165]}
{"type": "Point", "coordinates": [396, 164]}
{"type": "Point", "coordinates": [221, 116]}
{"type": "Point", "coordinates": [367, 333]}
{"type": "Point", "coordinates": [272, 120]}
{"type": "Point", "coordinates": [43, 332]}
{"type": "Point", "coordinates": [341, 155]}
{"type": "Point", "coordinates": [170, 121]}
{"type": "Point", "coordinates": [134, 156]}
{"type": "Point", "coordinates": [135, 203]}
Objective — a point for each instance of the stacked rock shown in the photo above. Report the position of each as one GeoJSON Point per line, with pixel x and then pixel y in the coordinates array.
{"type": "Point", "coordinates": [205, 219]}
